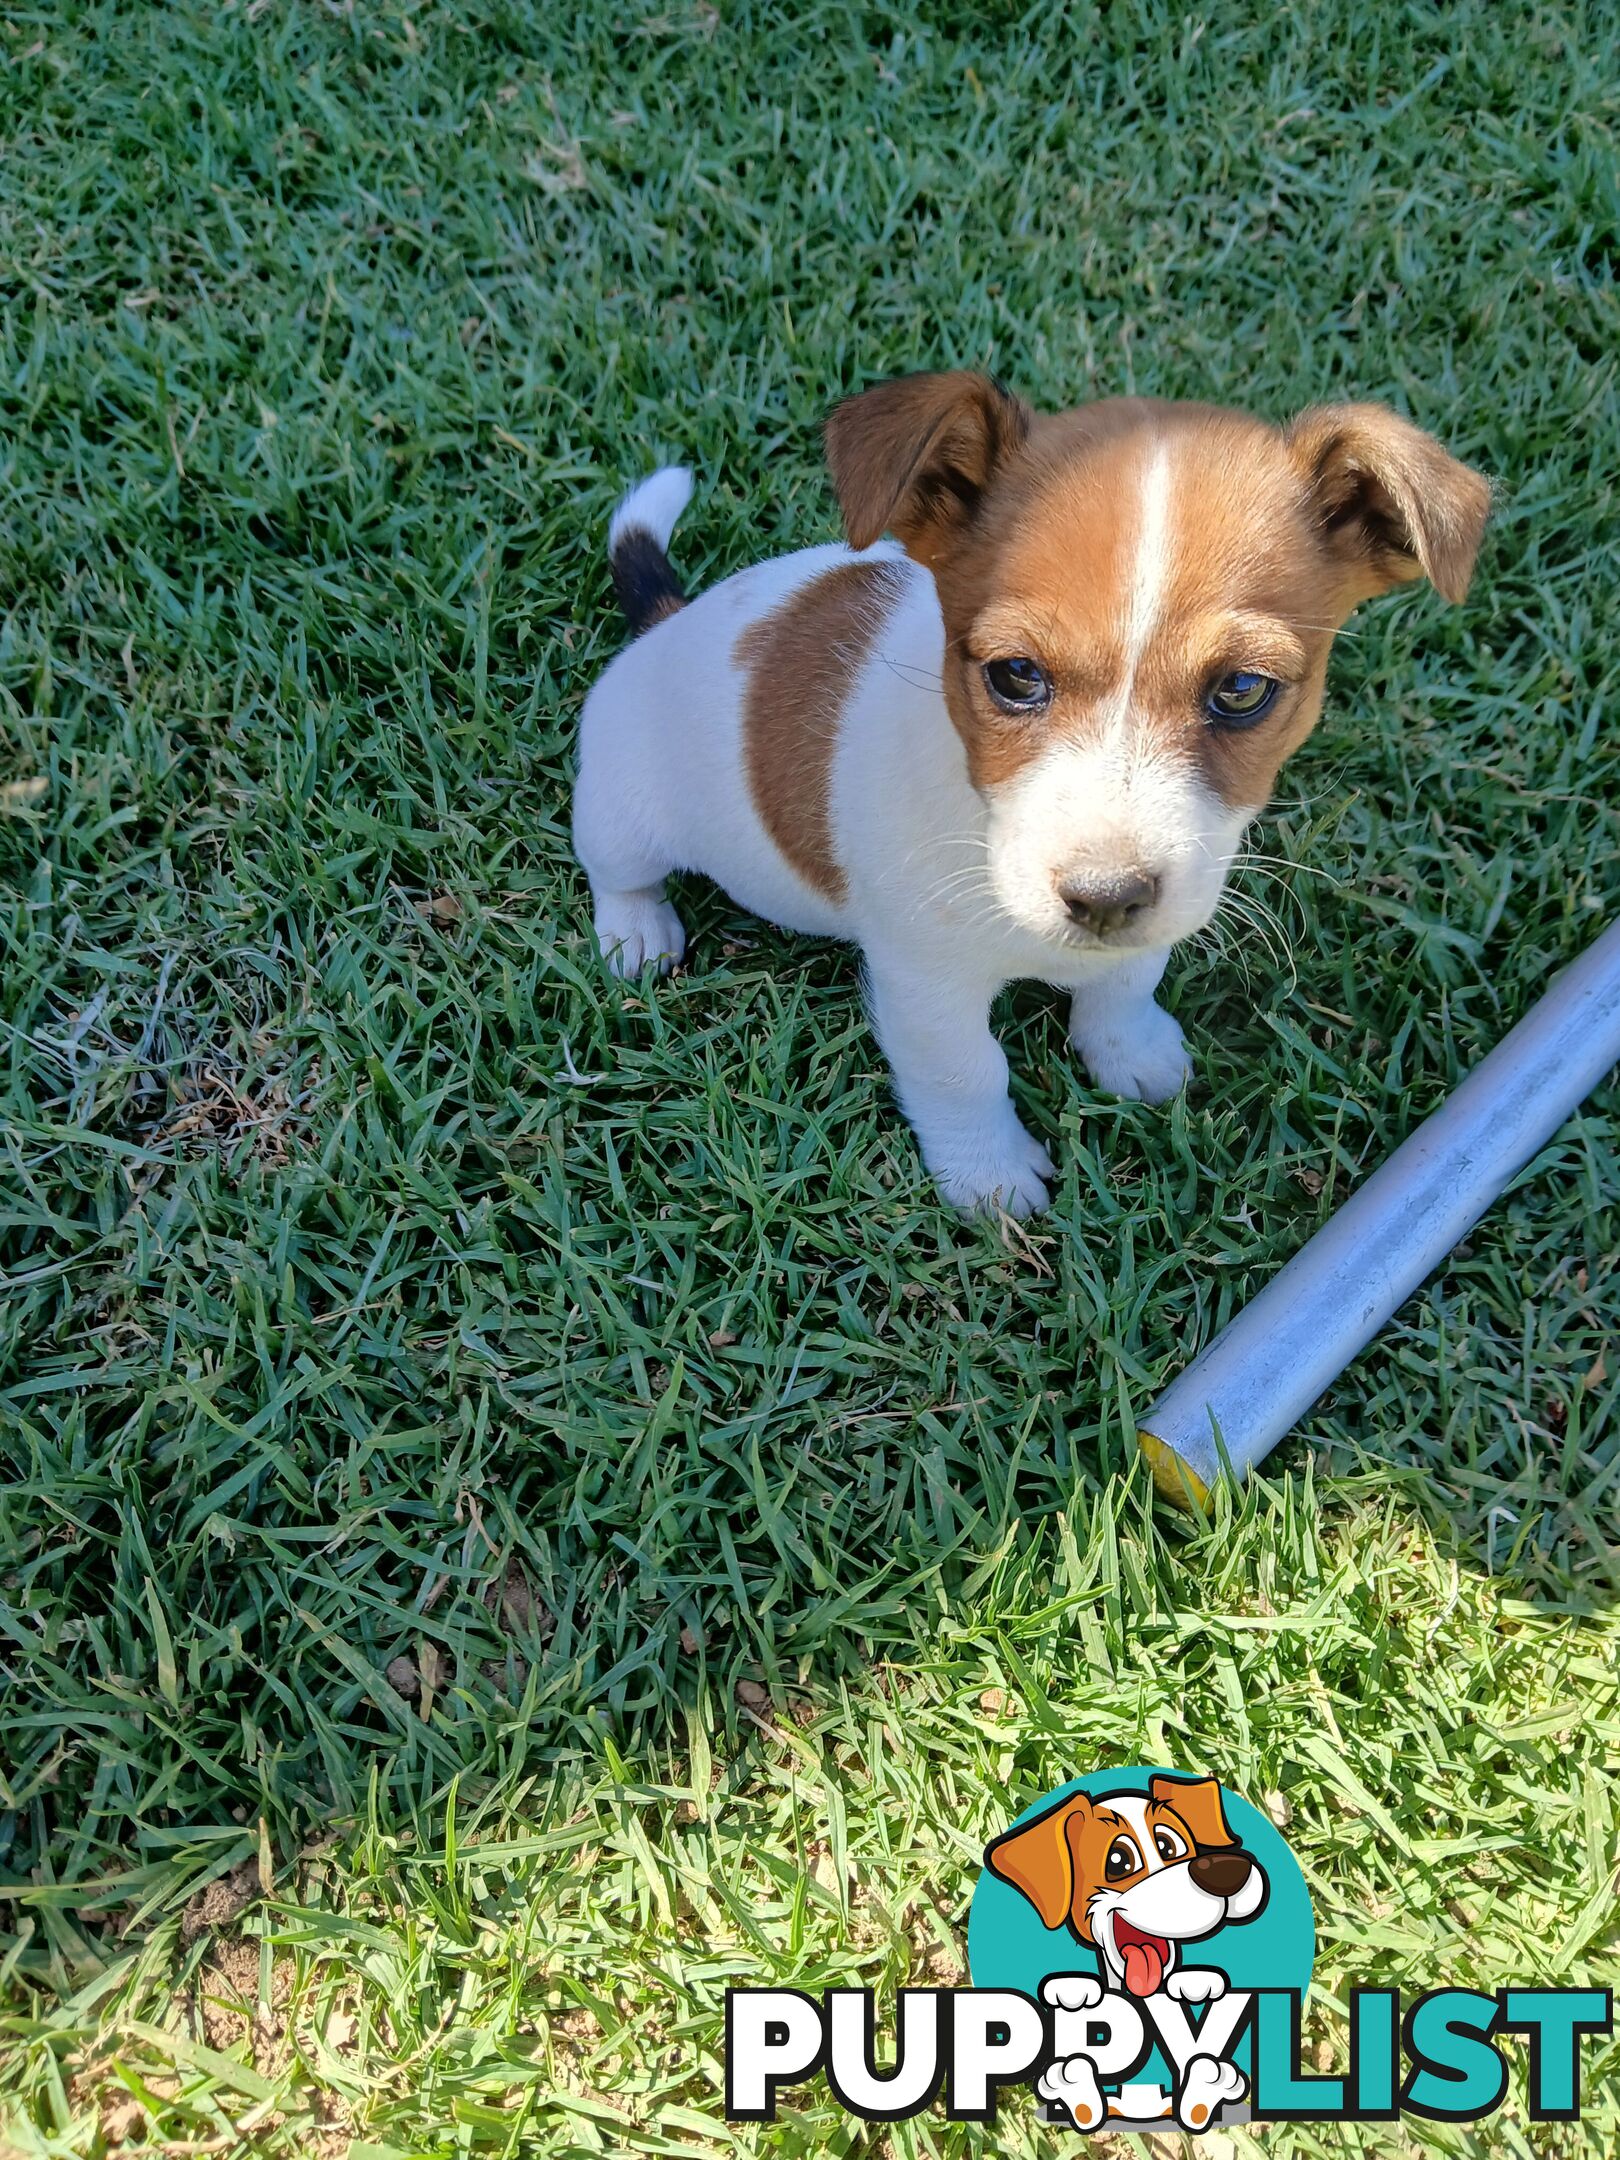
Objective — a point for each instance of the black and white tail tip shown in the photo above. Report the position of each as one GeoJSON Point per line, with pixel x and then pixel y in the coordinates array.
{"type": "Point", "coordinates": [638, 539]}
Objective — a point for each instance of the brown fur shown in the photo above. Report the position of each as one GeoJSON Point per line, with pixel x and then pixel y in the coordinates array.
{"type": "Point", "coordinates": [914, 456]}
{"type": "Point", "coordinates": [1057, 1860]}
{"type": "Point", "coordinates": [1028, 525]}
{"type": "Point", "coordinates": [1194, 1803]}
{"type": "Point", "coordinates": [802, 662]}
{"type": "Point", "coordinates": [1391, 504]}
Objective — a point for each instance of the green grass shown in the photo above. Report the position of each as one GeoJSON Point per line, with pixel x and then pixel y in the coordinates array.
{"type": "Point", "coordinates": [384, 1284]}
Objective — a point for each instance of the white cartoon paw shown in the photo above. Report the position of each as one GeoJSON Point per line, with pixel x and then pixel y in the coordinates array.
{"type": "Point", "coordinates": [1207, 2087]}
{"type": "Point", "coordinates": [1196, 1984]}
{"type": "Point", "coordinates": [1144, 1057]}
{"type": "Point", "coordinates": [1072, 2084]}
{"type": "Point", "coordinates": [1072, 1991]}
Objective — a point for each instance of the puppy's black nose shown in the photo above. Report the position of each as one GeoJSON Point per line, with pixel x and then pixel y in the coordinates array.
{"type": "Point", "coordinates": [1106, 904]}
{"type": "Point", "coordinates": [1222, 1874]}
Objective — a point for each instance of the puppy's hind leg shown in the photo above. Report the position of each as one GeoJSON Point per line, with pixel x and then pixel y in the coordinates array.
{"type": "Point", "coordinates": [635, 925]}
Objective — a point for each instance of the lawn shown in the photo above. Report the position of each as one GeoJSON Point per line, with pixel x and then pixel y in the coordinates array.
{"type": "Point", "coordinates": [520, 1509]}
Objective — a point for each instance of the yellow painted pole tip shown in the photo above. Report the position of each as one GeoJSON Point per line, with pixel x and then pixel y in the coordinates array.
{"type": "Point", "coordinates": [1179, 1484]}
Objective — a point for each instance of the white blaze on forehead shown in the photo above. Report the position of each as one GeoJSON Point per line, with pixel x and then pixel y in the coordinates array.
{"type": "Point", "coordinates": [1152, 550]}
{"type": "Point", "coordinates": [1133, 1807]}
{"type": "Point", "coordinates": [1150, 564]}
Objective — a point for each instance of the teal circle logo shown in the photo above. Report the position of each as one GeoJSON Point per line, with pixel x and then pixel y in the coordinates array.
{"type": "Point", "coordinates": [1129, 1898]}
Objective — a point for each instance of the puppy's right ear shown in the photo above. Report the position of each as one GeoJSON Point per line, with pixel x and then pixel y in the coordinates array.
{"type": "Point", "coordinates": [914, 456]}
{"type": "Point", "coordinates": [1036, 1859]}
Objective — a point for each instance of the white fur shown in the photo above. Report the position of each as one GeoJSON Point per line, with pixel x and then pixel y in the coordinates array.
{"type": "Point", "coordinates": [1071, 2082]}
{"type": "Point", "coordinates": [1206, 2087]}
{"type": "Point", "coordinates": [1072, 1991]}
{"type": "Point", "coordinates": [653, 507]}
{"type": "Point", "coordinates": [1095, 805]}
{"type": "Point", "coordinates": [1149, 567]}
{"type": "Point", "coordinates": [944, 892]}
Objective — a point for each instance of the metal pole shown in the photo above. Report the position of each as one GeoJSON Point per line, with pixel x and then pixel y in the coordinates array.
{"type": "Point", "coordinates": [1269, 1364]}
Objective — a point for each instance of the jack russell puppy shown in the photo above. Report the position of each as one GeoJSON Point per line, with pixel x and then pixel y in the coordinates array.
{"type": "Point", "coordinates": [1024, 737]}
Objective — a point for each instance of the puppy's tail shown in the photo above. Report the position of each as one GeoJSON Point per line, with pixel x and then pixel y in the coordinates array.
{"type": "Point", "coordinates": [647, 587]}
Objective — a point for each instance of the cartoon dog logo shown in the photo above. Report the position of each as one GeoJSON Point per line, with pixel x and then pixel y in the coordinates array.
{"type": "Point", "coordinates": [1136, 1877]}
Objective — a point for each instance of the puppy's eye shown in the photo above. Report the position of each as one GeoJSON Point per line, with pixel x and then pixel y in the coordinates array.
{"type": "Point", "coordinates": [1123, 1859]}
{"type": "Point", "coordinates": [1238, 700]}
{"type": "Point", "coordinates": [1018, 685]}
{"type": "Point", "coordinates": [1167, 1845]}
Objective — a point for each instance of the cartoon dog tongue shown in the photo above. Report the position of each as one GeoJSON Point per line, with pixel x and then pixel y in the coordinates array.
{"type": "Point", "coordinates": [1144, 1963]}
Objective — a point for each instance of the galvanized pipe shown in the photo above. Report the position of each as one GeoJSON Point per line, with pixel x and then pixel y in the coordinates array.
{"type": "Point", "coordinates": [1269, 1364]}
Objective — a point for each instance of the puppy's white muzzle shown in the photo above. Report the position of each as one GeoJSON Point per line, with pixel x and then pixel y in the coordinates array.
{"type": "Point", "coordinates": [1140, 1929]}
{"type": "Point", "coordinates": [1139, 830]}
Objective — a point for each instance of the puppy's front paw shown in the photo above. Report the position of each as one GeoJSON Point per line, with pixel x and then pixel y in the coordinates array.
{"type": "Point", "coordinates": [1072, 2084]}
{"type": "Point", "coordinates": [1004, 1167]}
{"type": "Point", "coordinates": [1207, 2087]}
{"type": "Point", "coordinates": [637, 930]}
{"type": "Point", "coordinates": [1196, 1983]}
{"type": "Point", "coordinates": [1142, 1055]}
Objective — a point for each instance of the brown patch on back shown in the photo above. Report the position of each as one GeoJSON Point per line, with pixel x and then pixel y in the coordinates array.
{"type": "Point", "coordinates": [802, 661]}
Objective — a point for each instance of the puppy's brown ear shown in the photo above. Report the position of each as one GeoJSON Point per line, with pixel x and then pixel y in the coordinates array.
{"type": "Point", "coordinates": [1035, 1858]}
{"type": "Point", "coordinates": [1392, 504]}
{"type": "Point", "coordinates": [1198, 1803]}
{"type": "Point", "coordinates": [914, 456]}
